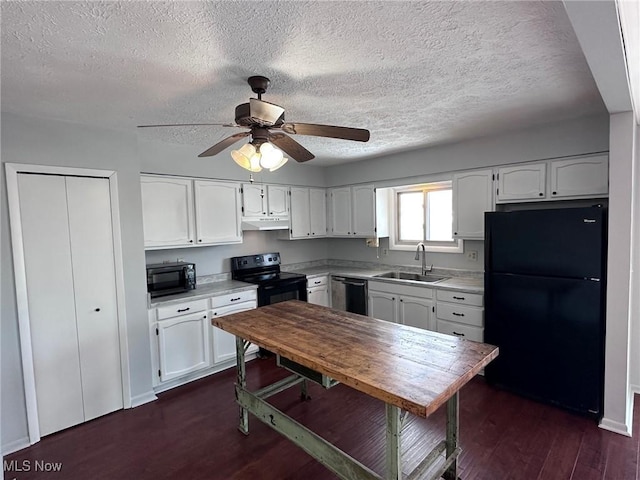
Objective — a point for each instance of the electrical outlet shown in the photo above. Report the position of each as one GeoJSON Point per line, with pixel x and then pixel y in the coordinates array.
{"type": "Point", "coordinates": [385, 251]}
{"type": "Point", "coordinates": [472, 255]}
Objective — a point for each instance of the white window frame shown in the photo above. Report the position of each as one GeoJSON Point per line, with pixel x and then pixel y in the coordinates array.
{"type": "Point", "coordinates": [456, 246]}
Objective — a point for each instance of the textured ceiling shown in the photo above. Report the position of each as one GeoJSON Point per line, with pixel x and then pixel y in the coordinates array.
{"type": "Point", "coordinates": [414, 73]}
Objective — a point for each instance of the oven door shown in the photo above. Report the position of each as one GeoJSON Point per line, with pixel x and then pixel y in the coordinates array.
{"type": "Point", "coordinates": [295, 289]}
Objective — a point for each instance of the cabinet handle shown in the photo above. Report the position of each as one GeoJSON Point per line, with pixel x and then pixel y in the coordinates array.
{"type": "Point", "coordinates": [204, 316]}
{"type": "Point", "coordinates": [307, 233]}
{"type": "Point", "coordinates": [458, 314]}
{"type": "Point", "coordinates": [458, 298]}
{"type": "Point", "coordinates": [270, 213]}
{"type": "Point", "coordinates": [215, 313]}
{"type": "Point", "coordinates": [200, 240]}
{"type": "Point", "coordinates": [542, 194]}
{"type": "Point", "coordinates": [97, 310]}
{"type": "Point", "coordinates": [401, 300]}
{"type": "Point", "coordinates": [180, 310]}
{"type": "Point", "coordinates": [455, 233]}
{"type": "Point", "coordinates": [317, 282]}
{"type": "Point", "coordinates": [553, 193]}
{"type": "Point", "coordinates": [458, 334]}
{"type": "Point", "coordinates": [190, 241]}
{"type": "Point", "coordinates": [235, 299]}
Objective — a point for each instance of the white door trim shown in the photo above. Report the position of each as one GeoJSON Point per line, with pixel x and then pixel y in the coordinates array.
{"type": "Point", "coordinates": [12, 170]}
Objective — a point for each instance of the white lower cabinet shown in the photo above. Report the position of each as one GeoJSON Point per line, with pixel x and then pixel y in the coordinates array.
{"type": "Point", "coordinates": [460, 314]}
{"type": "Point", "coordinates": [404, 304]}
{"type": "Point", "coordinates": [185, 346]}
{"type": "Point", "coordinates": [224, 343]}
{"type": "Point", "coordinates": [318, 290]}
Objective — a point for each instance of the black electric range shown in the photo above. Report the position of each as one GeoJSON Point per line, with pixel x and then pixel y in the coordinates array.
{"type": "Point", "coordinates": [273, 285]}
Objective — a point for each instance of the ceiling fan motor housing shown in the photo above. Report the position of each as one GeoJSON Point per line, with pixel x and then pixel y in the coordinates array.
{"type": "Point", "coordinates": [244, 118]}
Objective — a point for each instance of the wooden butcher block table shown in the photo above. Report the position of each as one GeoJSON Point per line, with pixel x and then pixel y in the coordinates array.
{"type": "Point", "coordinates": [412, 370]}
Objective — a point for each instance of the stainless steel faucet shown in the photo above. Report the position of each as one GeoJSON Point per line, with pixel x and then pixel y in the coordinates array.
{"type": "Point", "coordinates": [424, 258]}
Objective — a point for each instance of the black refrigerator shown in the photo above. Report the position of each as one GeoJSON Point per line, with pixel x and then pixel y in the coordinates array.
{"type": "Point", "coordinates": [545, 304]}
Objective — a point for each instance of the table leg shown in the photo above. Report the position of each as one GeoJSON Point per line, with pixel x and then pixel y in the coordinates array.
{"type": "Point", "coordinates": [241, 381]}
{"type": "Point", "coordinates": [452, 436]}
{"type": "Point", "coordinates": [304, 390]}
{"type": "Point", "coordinates": [394, 471]}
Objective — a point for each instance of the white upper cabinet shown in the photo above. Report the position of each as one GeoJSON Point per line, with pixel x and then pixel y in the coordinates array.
{"type": "Point", "coordinates": [318, 212]}
{"type": "Point", "coordinates": [181, 212]}
{"type": "Point", "coordinates": [167, 207]}
{"type": "Point", "coordinates": [357, 212]}
{"type": "Point", "coordinates": [277, 200]}
{"type": "Point", "coordinates": [472, 196]}
{"type": "Point", "coordinates": [308, 217]}
{"type": "Point", "coordinates": [218, 212]}
{"type": "Point", "coordinates": [264, 200]}
{"type": "Point", "coordinates": [579, 176]}
{"type": "Point", "coordinates": [300, 221]}
{"type": "Point", "coordinates": [521, 182]}
{"type": "Point", "coordinates": [254, 200]}
{"type": "Point", "coordinates": [340, 205]}
{"type": "Point", "coordinates": [363, 199]}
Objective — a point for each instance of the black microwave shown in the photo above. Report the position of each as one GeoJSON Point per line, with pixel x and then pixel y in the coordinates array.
{"type": "Point", "coordinates": [170, 278]}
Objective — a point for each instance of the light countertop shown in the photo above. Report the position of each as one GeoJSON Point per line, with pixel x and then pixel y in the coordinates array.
{"type": "Point", "coordinates": [202, 291]}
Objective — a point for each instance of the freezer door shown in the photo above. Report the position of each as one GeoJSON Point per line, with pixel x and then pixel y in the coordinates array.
{"type": "Point", "coordinates": [550, 332]}
{"type": "Point", "coordinates": [567, 242]}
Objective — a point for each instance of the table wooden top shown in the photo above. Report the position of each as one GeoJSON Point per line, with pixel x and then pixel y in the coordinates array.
{"type": "Point", "coordinates": [414, 369]}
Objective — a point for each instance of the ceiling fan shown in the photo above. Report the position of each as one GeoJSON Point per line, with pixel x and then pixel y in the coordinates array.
{"type": "Point", "coordinates": [266, 125]}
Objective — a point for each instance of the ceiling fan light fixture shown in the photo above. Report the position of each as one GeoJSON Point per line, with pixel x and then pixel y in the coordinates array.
{"type": "Point", "coordinates": [270, 156]}
{"type": "Point", "coordinates": [243, 157]}
{"type": "Point", "coordinates": [282, 162]}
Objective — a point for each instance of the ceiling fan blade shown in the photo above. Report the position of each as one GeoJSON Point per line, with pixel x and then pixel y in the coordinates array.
{"type": "Point", "coordinates": [291, 147]}
{"type": "Point", "coordinates": [265, 113]}
{"type": "Point", "coordinates": [192, 125]}
{"type": "Point", "coordinates": [345, 133]}
{"type": "Point", "coordinates": [220, 146]}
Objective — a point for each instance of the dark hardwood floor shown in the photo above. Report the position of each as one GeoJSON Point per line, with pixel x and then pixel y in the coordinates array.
{"type": "Point", "coordinates": [190, 433]}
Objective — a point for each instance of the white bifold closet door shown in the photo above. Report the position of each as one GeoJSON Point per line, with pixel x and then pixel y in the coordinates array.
{"type": "Point", "coordinates": [71, 290]}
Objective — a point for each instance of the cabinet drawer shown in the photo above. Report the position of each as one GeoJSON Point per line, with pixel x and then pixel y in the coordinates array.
{"type": "Point", "coordinates": [229, 309]}
{"type": "Point", "coordinates": [233, 298]}
{"type": "Point", "coordinates": [460, 314]}
{"type": "Point", "coordinates": [464, 331]}
{"type": "Point", "coordinates": [317, 281]}
{"type": "Point", "coordinates": [459, 297]}
{"type": "Point", "coordinates": [185, 308]}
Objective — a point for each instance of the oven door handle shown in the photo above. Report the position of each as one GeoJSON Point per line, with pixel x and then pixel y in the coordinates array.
{"type": "Point", "coordinates": [301, 284]}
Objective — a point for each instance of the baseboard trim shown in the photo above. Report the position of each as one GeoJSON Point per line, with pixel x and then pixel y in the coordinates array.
{"type": "Point", "coordinates": [142, 399]}
{"type": "Point", "coordinates": [616, 427]}
{"type": "Point", "coordinates": [16, 445]}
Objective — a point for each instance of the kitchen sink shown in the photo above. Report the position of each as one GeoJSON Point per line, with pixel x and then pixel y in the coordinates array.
{"type": "Point", "coordinates": [411, 276]}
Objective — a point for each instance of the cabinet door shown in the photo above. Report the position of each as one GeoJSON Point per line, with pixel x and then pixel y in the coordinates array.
{"type": "Point", "coordinates": [340, 207]}
{"type": "Point", "coordinates": [363, 199]}
{"type": "Point", "coordinates": [277, 200]}
{"type": "Point", "coordinates": [217, 212]}
{"type": "Point", "coordinates": [183, 345]}
{"type": "Point", "coordinates": [318, 295]}
{"type": "Point", "coordinates": [224, 343]}
{"type": "Point", "coordinates": [582, 176]}
{"type": "Point", "coordinates": [416, 312]}
{"type": "Point", "coordinates": [300, 224]}
{"type": "Point", "coordinates": [167, 211]}
{"type": "Point", "coordinates": [522, 182]}
{"type": "Point", "coordinates": [318, 212]}
{"type": "Point", "coordinates": [254, 200]}
{"type": "Point", "coordinates": [383, 306]}
{"type": "Point", "coordinates": [472, 196]}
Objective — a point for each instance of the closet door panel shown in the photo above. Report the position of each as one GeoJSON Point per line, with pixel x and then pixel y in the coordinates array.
{"type": "Point", "coordinates": [52, 316]}
{"type": "Point", "coordinates": [89, 206]}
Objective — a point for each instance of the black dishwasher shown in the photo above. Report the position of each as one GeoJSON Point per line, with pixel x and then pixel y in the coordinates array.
{"type": "Point", "coordinates": [349, 294]}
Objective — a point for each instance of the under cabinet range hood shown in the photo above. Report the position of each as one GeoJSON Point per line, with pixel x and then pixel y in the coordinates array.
{"type": "Point", "coordinates": [265, 223]}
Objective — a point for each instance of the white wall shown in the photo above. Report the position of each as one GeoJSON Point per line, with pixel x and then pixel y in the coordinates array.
{"type": "Point", "coordinates": [580, 136]}
{"type": "Point", "coordinates": [617, 399]}
{"type": "Point", "coordinates": [35, 141]}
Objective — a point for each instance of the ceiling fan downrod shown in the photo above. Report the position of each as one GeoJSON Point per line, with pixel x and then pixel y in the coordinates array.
{"type": "Point", "coordinates": [258, 84]}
